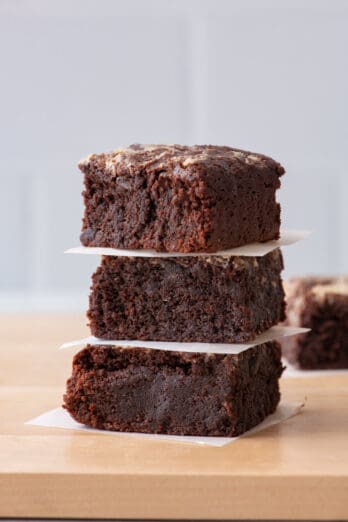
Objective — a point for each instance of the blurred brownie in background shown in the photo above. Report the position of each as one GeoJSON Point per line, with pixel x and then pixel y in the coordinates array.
{"type": "Point", "coordinates": [319, 303]}
{"type": "Point", "coordinates": [176, 198]}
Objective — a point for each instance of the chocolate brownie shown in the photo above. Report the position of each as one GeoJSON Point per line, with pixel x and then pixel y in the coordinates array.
{"type": "Point", "coordinates": [171, 198]}
{"type": "Point", "coordinates": [319, 303]}
{"type": "Point", "coordinates": [155, 391]}
{"type": "Point", "coordinates": [202, 299]}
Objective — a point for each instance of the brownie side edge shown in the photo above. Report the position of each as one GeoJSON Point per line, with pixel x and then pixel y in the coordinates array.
{"type": "Point", "coordinates": [187, 299]}
{"type": "Point", "coordinates": [152, 391]}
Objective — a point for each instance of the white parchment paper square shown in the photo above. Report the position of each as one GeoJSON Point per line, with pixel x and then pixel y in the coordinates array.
{"type": "Point", "coordinates": [59, 418]}
{"type": "Point", "coordinates": [287, 237]}
{"type": "Point", "coordinates": [276, 332]}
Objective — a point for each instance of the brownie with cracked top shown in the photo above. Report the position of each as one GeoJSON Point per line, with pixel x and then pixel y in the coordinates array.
{"type": "Point", "coordinates": [176, 198]}
{"type": "Point", "coordinates": [156, 391]}
{"type": "Point", "coordinates": [321, 304]}
{"type": "Point", "coordinates": [189, 299]}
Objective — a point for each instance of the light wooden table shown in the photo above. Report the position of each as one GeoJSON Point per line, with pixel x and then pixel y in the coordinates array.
{"type": "Point", "coordinates": [296, 470]}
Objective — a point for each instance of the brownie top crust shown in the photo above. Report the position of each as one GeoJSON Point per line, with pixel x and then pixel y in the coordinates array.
{"type": "Point", "coordinates": [179, 159]}
{"type": "Point", "coordinates": [319, 286]}
{"type": "Point", "coordinates": [118, 357]}
{"type": "Point", "coordinates": [302, 290]}
{"type": "Point", "coordinates": [338, 287]}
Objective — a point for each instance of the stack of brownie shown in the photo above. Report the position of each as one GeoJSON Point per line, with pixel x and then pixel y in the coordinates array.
{"type": "Point", "coordinates": [188, 205]}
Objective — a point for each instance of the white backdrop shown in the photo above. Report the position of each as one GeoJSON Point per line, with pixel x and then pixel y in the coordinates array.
{"type": "Point", "coordinates": [88, 76]}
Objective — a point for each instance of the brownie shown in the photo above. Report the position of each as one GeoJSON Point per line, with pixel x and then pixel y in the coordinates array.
{"type": "Point", "coordinates": [175, 198]}
{"type": "Point", "coordinates": [156, 391]}
{"type": "Point", "coordinates": [319, 303]}
{"type": "Point", "coordinates": [189, 299]}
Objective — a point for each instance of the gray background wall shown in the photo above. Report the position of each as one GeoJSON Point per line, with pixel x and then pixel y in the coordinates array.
{"type": "Point", "coordinates": [88, 76]}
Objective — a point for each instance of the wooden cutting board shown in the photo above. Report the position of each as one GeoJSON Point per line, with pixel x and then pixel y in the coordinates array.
{"type": "Point", "coordinates": [296, 470]}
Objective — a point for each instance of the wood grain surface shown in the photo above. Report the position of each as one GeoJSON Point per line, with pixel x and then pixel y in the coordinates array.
{"type": "Point", "coordinates": [295, 470]}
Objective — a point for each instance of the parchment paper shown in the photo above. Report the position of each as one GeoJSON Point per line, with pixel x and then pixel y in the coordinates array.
{"type": "Point", "coordinates": [59, 418]}
{"type": "Point", "coordinates": [276, 332]}
{"type": "Point", "coordinates": [287, 237]}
